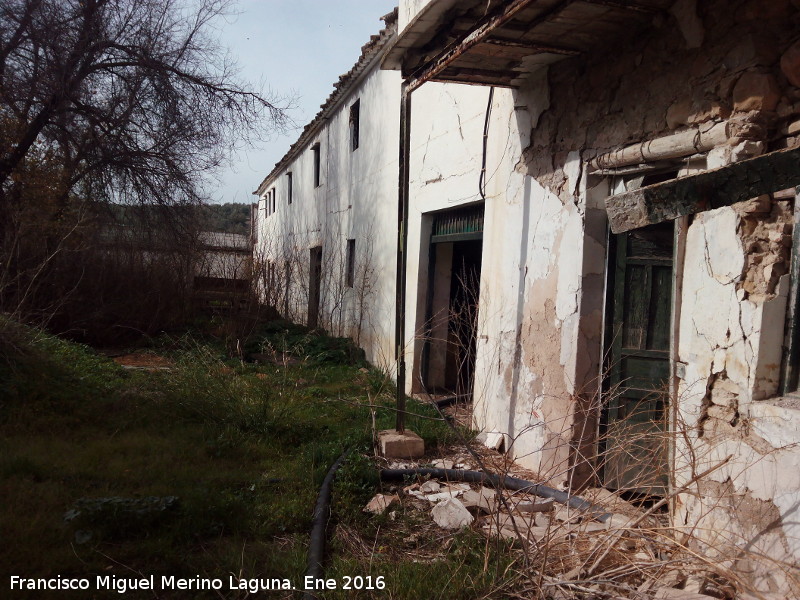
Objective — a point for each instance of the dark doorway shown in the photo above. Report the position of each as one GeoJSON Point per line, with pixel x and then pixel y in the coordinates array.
{"type": "Point", "coordinates": [463, 315]}
{"type": "Point", "coordinates": [454, 273]}
{"type": "Point", "coordinates": [314, 285]}
{"type": "Point", "coordinates": [640, 308]}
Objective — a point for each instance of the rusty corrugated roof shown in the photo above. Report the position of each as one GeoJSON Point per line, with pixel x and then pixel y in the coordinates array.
{"type": "Point", "coordinates": [369, 53]}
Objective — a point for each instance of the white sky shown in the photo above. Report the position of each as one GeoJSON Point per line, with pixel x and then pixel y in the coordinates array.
{"type": "Point", "coordinates": [298, 48]}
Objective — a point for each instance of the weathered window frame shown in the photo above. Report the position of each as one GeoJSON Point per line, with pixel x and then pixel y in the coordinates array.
{"type": "Point", "coordinates": [289, 188]}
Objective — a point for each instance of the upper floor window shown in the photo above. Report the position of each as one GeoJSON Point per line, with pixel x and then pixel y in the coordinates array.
{"type": "Point", "coordinates": [289, 187]}
{"type": "Point", "coordinates": [315, 150]}
{"type": "Point", "coordinates": [355, 109]}
{"type": "Point", "coordinates": [269, 202]}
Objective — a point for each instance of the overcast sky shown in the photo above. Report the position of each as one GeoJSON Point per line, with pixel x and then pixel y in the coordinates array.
{"type": "Point", "coordinates": [298, 48]}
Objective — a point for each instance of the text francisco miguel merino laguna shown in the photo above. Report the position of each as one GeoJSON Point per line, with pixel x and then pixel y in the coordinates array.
{"type": "Point", "coordinates": [169, 582]}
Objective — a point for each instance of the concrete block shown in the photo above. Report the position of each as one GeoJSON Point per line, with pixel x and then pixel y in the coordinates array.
{"type": "Point", "coordinates": [400, 445]}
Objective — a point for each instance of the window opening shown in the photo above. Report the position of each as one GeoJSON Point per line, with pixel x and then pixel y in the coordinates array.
{"type": "Point", "coordinates": [355, 110]}
{"type": "Point", "coordinates": [315, 150]}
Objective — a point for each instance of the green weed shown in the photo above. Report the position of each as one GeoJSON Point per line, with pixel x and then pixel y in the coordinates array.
{"type": "Point", "coordinates": [241, 447]}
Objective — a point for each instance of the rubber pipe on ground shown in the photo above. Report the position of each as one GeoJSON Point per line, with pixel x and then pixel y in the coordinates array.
{"type": "Point", "coordinates": [506, 482]}
{"type": "Point", "coordinates": [322, 512]}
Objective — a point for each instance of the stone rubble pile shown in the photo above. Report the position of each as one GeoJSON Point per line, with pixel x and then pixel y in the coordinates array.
{"type": "Point", "coordinates": [535, 521]}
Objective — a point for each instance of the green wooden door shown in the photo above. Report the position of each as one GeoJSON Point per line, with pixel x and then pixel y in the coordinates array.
{"type": "Point", "coordinates": [636, 444]}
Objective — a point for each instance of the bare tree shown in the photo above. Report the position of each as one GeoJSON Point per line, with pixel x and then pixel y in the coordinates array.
{"type": "Point", "coordinates": [111, 102]}
{"type": "Point", "coordinates": [134, 95]}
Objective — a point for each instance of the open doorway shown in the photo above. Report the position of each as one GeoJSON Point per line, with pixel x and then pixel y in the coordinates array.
{"type": "Point", "coordinates": [454, 274]}
{"type": "Point", "coordinates": [314, 285]}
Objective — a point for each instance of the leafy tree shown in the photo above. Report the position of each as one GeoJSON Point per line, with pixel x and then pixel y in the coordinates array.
{"type": "Point", "coordinates": [231, 217]}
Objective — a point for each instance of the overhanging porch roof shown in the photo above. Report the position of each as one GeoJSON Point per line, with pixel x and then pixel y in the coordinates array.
{"type": "Point", "coordinates": [501, 43]}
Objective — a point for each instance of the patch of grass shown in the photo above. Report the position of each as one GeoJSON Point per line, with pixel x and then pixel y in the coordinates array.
{"type": "Point", "coordinates": [467, 568]}
{"type": "Point", "coordinates": [242, 447]}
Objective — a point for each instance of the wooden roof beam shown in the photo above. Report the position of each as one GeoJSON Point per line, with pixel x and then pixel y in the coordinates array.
{"type": "Point", "coordinates": [532, 46]}
{"type": "Point", "coordinates": [705, 191]}
{"type": "Point", "coordinates": [499, 16]}
{"type": "Point", "coordinates": [626, 5]}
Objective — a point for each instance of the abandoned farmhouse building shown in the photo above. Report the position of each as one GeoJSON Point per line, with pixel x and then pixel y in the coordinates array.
{"type": "Point", "coordinates": [580, 215]}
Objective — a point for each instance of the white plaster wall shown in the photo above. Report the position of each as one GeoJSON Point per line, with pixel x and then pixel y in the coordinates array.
{"type": "Point", "coordinates": [753, 460]}
{"type": "Point", "coordinates": [721, 330]}
{"type": "Point", "coordinates": [446, 141]}
{"type": "Point", "coordinates": [356, 199]}
{"type": "Point", "coordinates": [408, 9]}
{"type": "Point", "coordinates": [225, 265]}
{"type": "Point", "coordinates": [529, 313]}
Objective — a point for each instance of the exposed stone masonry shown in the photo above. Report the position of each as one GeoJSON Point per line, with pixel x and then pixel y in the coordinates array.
{"type": "Point", "coordinates": [766, 230]}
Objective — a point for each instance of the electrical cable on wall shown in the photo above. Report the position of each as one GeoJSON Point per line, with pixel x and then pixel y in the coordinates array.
{"type": "Point", "coordinates": [482, 178]}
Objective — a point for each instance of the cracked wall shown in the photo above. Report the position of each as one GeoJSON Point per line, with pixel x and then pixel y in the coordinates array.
{"type": "Point", "coordinates": [731, 334]}
{"type": "Point", "coordinates": [740, 57]}
{"type": "Point", "coordinates": [529, 315]}
{"type": "Point", "coordinates": [541, 319]}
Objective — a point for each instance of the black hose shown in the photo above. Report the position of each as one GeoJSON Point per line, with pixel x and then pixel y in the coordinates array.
{"type": "Point", "coordinates": [449, 401]}
{"type": "Point", "coordinates": [507, 482]}
{"type": "Point", "coordinates": [322, 511]}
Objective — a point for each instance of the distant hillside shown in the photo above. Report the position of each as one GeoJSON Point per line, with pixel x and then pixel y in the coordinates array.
{"type": "Point", "coordinates": [230, 217]}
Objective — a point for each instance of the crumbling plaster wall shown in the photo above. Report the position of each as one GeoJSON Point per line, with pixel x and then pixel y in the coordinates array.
{"type": "Point", "coordinates": [528, 349]}
{"type": "Point", "coordinates": [730, 343]}
{"type": "Point", "coordinates": [706, 64]}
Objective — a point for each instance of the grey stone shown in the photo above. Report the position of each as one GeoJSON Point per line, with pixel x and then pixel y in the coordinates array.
{"type": "Point", "coordinates": [429, 487]}
{"type": "Point", "coordinates": [547, 505]}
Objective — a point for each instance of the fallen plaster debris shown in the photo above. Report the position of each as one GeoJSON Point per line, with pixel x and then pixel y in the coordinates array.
{"type": "Point", "coordinates": [451, 514]}
{"type": "Point", "coordinates": [536, 520]}
{"type": "Point", "coordinates": [484, 499]}
{"type": "Point", "coordinates": [430, 487]}
{"type": "Point", "coordinates": [380, 502]}
{"type": "Point", "coordinates": [567, 514]}
{"type": "Point", "coordinates": [546, 505]}
{"type": "Point", "coordinates": [490, 439]}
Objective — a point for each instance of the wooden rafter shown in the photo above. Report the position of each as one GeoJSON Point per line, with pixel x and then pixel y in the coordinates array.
{"type": "Point", "coordinates": [712, 189]}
